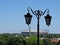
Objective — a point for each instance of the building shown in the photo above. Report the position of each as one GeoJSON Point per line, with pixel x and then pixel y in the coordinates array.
{"type": "Point", "coordinates": [34, 32]}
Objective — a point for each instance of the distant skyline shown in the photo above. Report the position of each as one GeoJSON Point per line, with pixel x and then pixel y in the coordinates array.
{"type": "Point", "coordinates": [12, 15]}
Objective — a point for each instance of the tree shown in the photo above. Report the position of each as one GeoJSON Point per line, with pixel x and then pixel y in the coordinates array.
{"type": "Point", "coordinates": [4, 39]}
{"type": "Point", "coordinates": [16, 41]}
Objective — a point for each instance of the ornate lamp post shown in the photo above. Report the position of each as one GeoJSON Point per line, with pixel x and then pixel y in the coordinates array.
{"type": "Point", "coordinates": [38, 14]}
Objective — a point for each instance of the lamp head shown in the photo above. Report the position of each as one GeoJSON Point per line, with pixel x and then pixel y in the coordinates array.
{"type": "Point", "coordinates": [28, 18]}
{"type": "Point", "coordinates": [48, 19]}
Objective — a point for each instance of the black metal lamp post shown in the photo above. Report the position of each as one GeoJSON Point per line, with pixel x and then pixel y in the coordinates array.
{"type": "Point", "coordinates": [38, 14]}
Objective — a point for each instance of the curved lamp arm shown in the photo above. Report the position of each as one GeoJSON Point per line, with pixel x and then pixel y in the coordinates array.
{"type": "Point", "coordinates": [45, 11]}
{"type": "Point", "coordinates": [30, 9]}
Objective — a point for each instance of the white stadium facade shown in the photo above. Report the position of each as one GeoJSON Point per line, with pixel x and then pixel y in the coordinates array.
{"type": "Point", "coordinates": [34, 32]}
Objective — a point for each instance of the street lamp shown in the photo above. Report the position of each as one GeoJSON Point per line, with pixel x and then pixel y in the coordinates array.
{"type": "Point", "coordinates": [38, 14]}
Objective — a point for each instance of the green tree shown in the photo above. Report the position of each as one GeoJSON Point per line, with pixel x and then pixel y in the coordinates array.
{"type": "Point", "coordinates": [4, 39]}
{"type": "Point", "coordinates": [15, 41]}
{"type": "Point", "coordinates": [31, 40]}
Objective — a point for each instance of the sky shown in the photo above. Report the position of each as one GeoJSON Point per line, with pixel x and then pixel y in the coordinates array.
{"type": "Point", "coordinates": [12, 15]}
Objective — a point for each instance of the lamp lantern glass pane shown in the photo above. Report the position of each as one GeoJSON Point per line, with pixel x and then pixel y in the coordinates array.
{"type": "Point", "coordinates": [28, 18]}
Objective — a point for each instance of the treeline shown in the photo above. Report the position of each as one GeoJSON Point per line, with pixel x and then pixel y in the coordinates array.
{"type": "Point", "coordinates": [11, 39]}
{"type": "Point", "coordinates": [18, 39]}
{"type": "Point", "coordinates": [50, 36]}
{"type": "Point", "coordinates": [54, 35]}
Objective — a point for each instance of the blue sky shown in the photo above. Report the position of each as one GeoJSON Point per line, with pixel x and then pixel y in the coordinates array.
{"type": "Point", "coordinates": [12, 15]}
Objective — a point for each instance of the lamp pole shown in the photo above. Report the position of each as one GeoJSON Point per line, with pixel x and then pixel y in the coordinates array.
{"type": "Point", "coordinates": [38, 30]}
{"type": "Point", "coordinates": [38, 14]}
